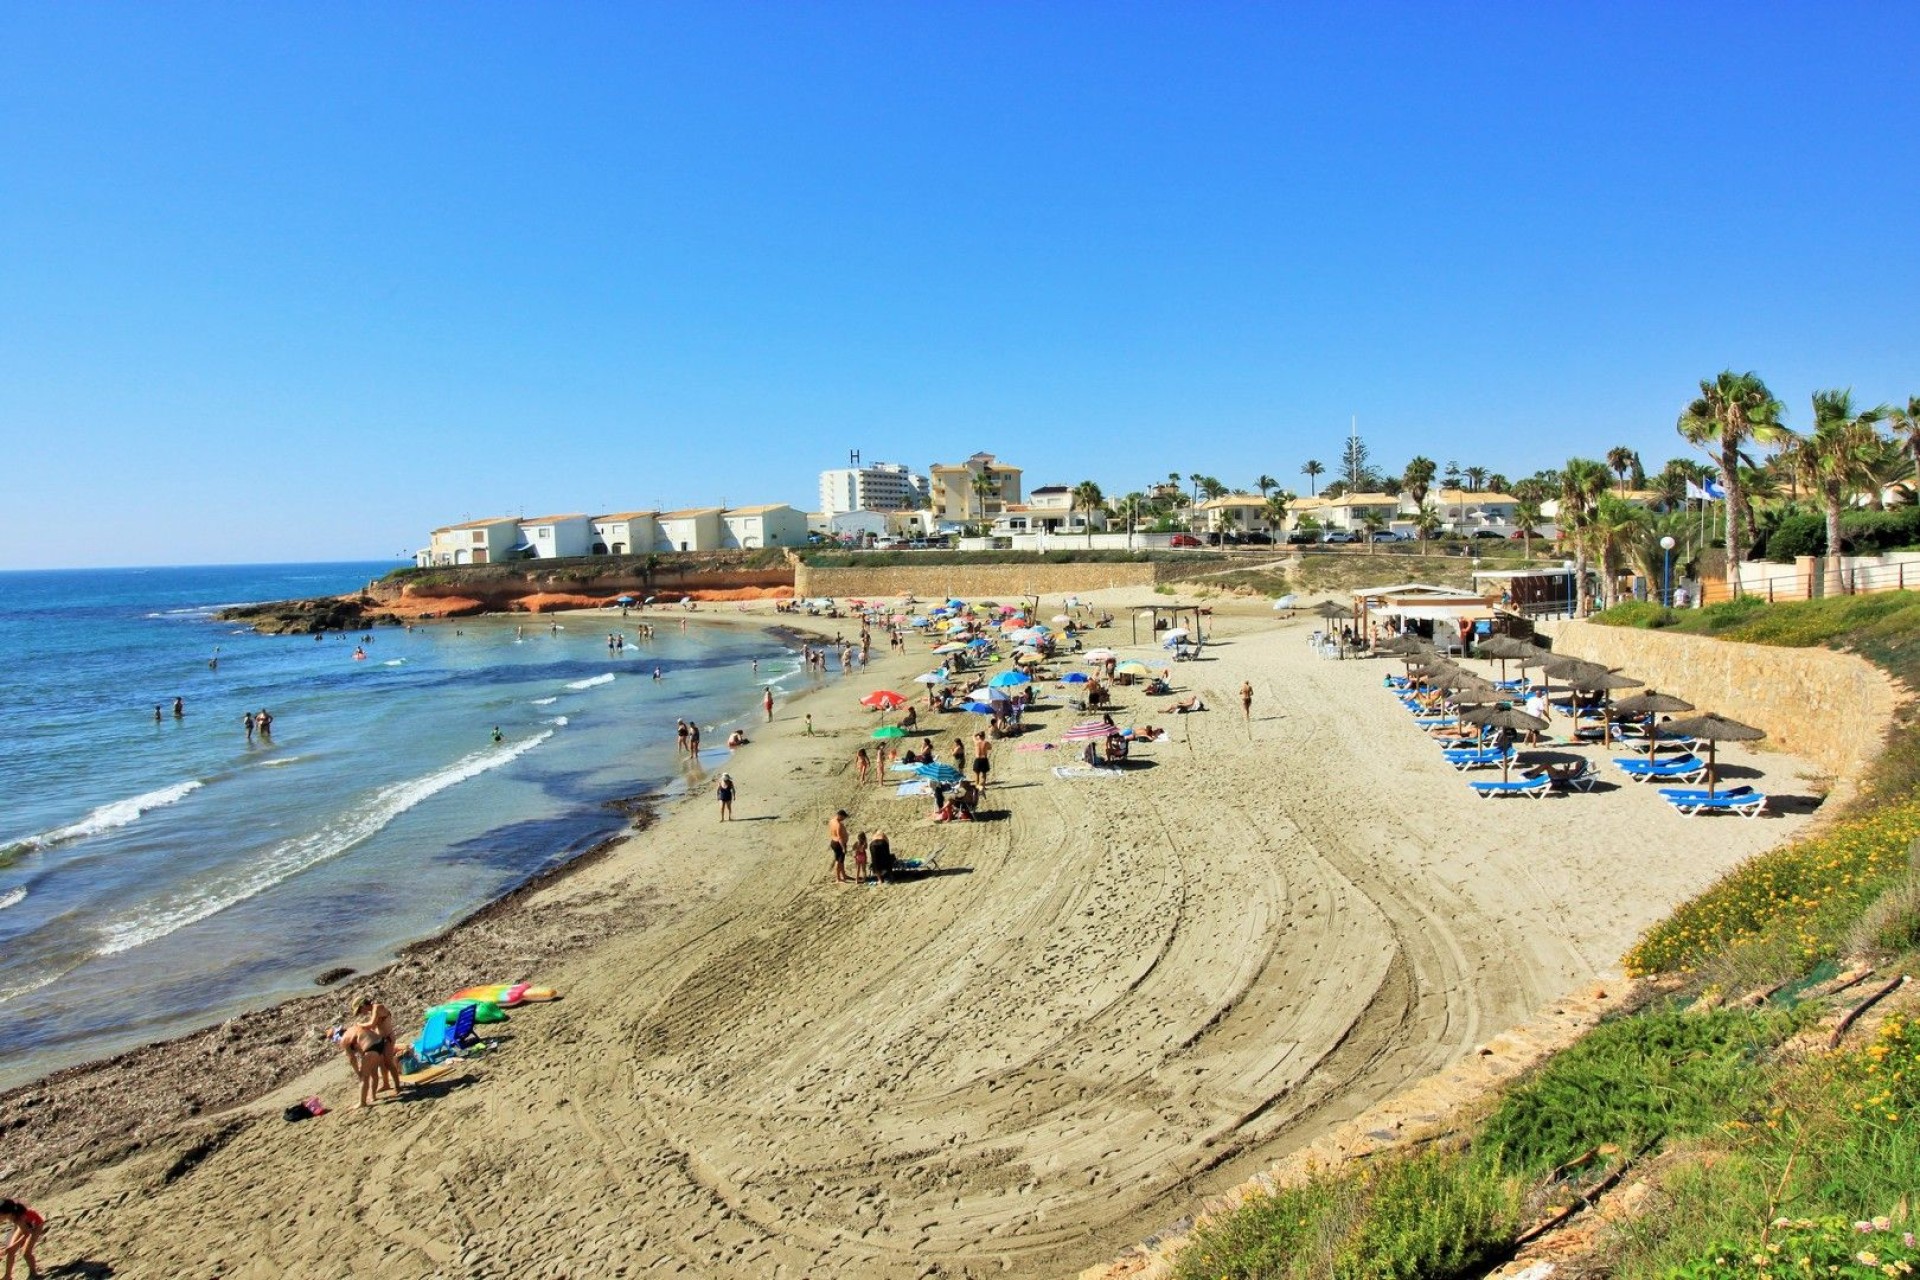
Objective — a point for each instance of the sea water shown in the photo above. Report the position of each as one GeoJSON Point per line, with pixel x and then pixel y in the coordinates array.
{"type": "Point", "coordinates": [157, 875]}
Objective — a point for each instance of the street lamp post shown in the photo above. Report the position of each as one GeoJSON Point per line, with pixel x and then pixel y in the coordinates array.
{"type": "Point", "coordinates": [1666, 572]}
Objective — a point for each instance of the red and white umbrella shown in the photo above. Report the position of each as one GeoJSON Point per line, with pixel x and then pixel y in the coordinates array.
{"type": "Point", "coordinates": [884, 700]}
{"type": "Point", "coordinates": [1087, 729]}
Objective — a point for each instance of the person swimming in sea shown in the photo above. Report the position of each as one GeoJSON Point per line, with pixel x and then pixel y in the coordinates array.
{"type": "Point", "coordinates": [179, 708]}
{"type": "Point", "coordinates": [497, 735]}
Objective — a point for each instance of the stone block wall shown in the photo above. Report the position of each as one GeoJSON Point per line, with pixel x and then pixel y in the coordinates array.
{"type": "Point", "coordinates": [971, 581]}
{"type": "Point", "coordinates": [1830, 708]}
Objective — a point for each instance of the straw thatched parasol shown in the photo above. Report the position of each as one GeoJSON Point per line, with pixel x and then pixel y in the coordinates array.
{"type": "Point", "coordinates": [1714, 729]}
{"type": "Point", "coordinates": [1503, 718]}
{"type": "Point", "coordinates": [1501, 648]}
{"type": "Point", "coordinates": [1650, 704]}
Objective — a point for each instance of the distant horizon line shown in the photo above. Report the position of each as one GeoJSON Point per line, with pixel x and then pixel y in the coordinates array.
{"type": "Point", "coordinates": [200, 564]}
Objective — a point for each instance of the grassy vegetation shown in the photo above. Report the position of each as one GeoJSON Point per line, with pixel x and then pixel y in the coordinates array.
{"type": "Point", "coordinates": [1761, 1161]}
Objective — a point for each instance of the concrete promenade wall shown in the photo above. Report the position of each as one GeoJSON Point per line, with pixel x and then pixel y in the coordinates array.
{"type": "Point", "coordinates": [1830, 708]}
{"type": "Point", "coordinates": [973, 581]}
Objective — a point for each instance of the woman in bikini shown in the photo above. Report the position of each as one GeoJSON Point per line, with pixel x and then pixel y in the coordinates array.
{"type": "Point", "coordinates": [28, 1227]}
{"type": "Point", "coordinates": [377, 1045]}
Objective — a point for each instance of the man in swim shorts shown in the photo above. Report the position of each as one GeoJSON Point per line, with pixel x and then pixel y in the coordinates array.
{"type": "Point", "coordinates": [981, 764]}
{"type": "Point", "coordinates": [837, 843]}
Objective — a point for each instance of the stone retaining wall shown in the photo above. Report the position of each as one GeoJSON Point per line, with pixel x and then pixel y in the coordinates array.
{"type": "Point", "coordinates": [1830, 708]}
{"type": "Point", "coordinates": [973, 581]}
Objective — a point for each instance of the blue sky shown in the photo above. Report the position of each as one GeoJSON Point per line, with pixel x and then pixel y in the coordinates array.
{"type": "Point", "coordinates": [281, 282]}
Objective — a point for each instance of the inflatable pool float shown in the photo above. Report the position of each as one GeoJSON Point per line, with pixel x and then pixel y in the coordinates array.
{"type": "Point", "coordinates": [483, 1010]}
{"type": "Point", "coordinates": [504, 994]}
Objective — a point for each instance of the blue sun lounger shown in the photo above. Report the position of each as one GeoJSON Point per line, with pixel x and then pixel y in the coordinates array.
{"type": "Point", "coordinates": [1744, 801]}
{"type": "Point", "coordinates": [1688, 768]}
{"type": "Point", "coordinates": [1535, 787]}
{"type": "Point", "coordinates": [441, 1039]}
{"type": "Point", "coordinates": [1464, 758]}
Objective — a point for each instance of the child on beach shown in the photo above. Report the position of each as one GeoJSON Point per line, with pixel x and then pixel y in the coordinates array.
{"type": "Point", "coordinates": [860, 858]}
{"type": "Point", "coordinates": [28, 1227]}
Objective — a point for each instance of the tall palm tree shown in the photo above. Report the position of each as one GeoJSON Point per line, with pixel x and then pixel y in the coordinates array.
{"type": "Point", "coordinates": [1886, 466]}
{"type": "Point", "coordinates": [1732, 409]}
{"type": "Point", "coordinates": [1498, 484]}
{"type": "Point", "coordinates": [1266, 484]}
{"type": "Point", "coordinates": [1476, 478]}
{"type": "Point", "coordinates": [1620, 461]}
{"type": "Point", "coordinates": [1313, 470]}
{"type": "Point", "coordinates": [1088, 498]}
{"type": "Point", "coordinates": [1194, 504]}
{"type": "Point", "coordinates": [1582, 481]}
{"type": "Point", "coordinates": [1212, 487]}
{"type": "Point", "coordinates": [1527, 514]}
{"type": "Point", "coordinates": [1614, 530]}
{"type": "Point", "coordinates": [1831, 460]}
{"type": "Point", "coordinates": [1276, 510]}
{"type": "Point", "coordinates": [1417, 478]}
{"type": "Point", "coordinates": [1426, 523]}
{"type": "Point", "coordinates": [985, 486]}
{"type": "Point", "coordinates": [1373, 520]}
{"type": "Point", "coordinates": [1905, 425]}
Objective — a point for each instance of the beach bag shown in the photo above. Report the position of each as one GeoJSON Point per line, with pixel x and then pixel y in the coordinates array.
{"type": "Point", "coordinates": [306, 1109]}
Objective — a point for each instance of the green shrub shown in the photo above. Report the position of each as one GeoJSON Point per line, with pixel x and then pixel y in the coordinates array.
{"type": "Point", "coordinates": [1628, 1082]}
{"type": "Point", "coordinates": [1433, 1215]}
{"type": "Point", "coordinates": [1637, 613]}
{"type": "Point", "coordinates": [1891, 926]}
{"type": "Point", "coordinates": [1801, 534]}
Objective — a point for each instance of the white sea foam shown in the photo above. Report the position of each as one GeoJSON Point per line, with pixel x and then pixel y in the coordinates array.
{"type": "Point", "coordinates": [8, 993]}
{"type": "Point", "coordinates": [558, 720]}
{"type": "Point", "coordinates": [280, 762]}
{"type": "Point", "coordinates": [545, 702]}
{"type": "Point", "coordinates": [106, 818]}
{"type": "Point", "coordinates": [290, 857]}
{"type": "Point", "coordinates": [591, 681]}
{"type": "Point", "coordinates": [12, 896]}
{"type": "Point", "coordinates": [393, 662]}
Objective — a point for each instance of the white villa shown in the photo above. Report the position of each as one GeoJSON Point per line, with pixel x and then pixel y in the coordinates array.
{"type": "Point", "coordinates": [622, 533]}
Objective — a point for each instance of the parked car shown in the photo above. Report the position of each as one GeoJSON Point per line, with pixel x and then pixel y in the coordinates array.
{"type": "Point", "coordinates": [1338, 535]}
{"type": "Point", "coordinates": [1521, 535]}
{"type": "Point", "coordinates": [1495, 534]}
{"type": "Point", "coordinates": [1301, 537]}
{"type": "Point", "coordinates": [1183, 540]}
{"type": "Point", "coordinates": [1388, 535]}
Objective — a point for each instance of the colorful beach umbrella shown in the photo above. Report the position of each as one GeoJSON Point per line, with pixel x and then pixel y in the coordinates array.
{"type": "Point", "coordinates": [1008, 679]}
{"type": "Point", "coordinates": [1074, 677]}
{"type": "Point", "coordinates": [937, 772]}
{"type": "Point", "coordinates": [948, 648]}
{"type": "Point", "coordinates": [889, 731]}
{"type": "Point", "coordinates": [1131, 668]}
{"type": "Point", "coordinates": [1087, 729]}
{"type": "Point", "coordinates": [884, 700]}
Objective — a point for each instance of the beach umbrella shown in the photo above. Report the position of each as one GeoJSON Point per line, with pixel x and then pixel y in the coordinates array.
{"type": "Point", "coordinates": [1028, 658]}
{"type": "Point", "coordinates": [1074, 677]}
{"type": "Point", "coordinates": [1087, 729]}
{"type": "Point", "coordinates": [888, 731]}
{"type": "Point", "coordinates": [1604, 683]}
{"type": "Point", "coordinates": [1131, 668]}
{"type": "Point", "coordinates": [1649, 705]}
{"type": "Point", "coordinates": [884, 700]}
{"type": "Point", "coordinates": [1284, 602]}
{"type": "Point", "coordinates": [980, 708]}
{"type": "Point", "coordinates": [931, 677]}
{"type": "Point", "coordinates": [979, 642]}
{"type": "Point", "coordinates": [1008, 679]}
{"type": "Point", "coordinates": [1061, 617]}
{"type": "Point", "coordinates": [1501, 648]}
{"type": "Point", "coordinates": [1503, 718]}
{"type": "Point", "coordinates": [1176, 633]}
{"type": "Point", "coordinates": [650, 599]}
{"type": "Point", "coordinates": [1097, 655]}
{"type": "Point", "coordinates": [623, 599]}
{"type": "Point", "coordinates": [937, 772]}
{"type": "Point", "coordinates": [1332, 610]}
{"type": "Point", "coordinates": [1714, 729]}
{"type": "Point", "coordinates": [920, 622]}
{"type": "Point", "coordinates": [949, 648]}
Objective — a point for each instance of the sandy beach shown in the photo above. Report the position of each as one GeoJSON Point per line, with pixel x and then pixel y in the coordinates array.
{"type": "Point", "coordinates": [1118, 995]}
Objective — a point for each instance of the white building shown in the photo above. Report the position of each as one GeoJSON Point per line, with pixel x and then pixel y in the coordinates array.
{"type": "Point", "coordinates": [486, 541]}
{"type": "Point", "coordinates": [689, 529]}
{"type": "Point", "coordinates": [772, 524]}
{"type": "Point", "coordinates": [974, 491]}
{"type": "Point", "coordinates": [554, 537]}
{"type": "Point", "coordinates": [624, 533]}
{"type": "Point", "coordinates": [883, 486]}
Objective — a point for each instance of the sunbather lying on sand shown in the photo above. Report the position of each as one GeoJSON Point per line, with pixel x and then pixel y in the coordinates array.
{"type": "Point", "coordinates": [1180, 706]}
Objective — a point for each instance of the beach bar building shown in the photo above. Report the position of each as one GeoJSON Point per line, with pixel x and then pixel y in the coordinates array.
{"type": "Point", "coordinates": [1447, 615]}
{"type": "Point", "coordinates": [487, 541]}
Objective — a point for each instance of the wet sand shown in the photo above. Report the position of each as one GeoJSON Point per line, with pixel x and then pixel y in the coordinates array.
{"type": "Point", "coordinates": [1119, 994]}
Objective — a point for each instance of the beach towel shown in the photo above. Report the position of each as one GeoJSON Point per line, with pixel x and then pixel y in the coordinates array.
{"type": "Point", "coordinates": [909, 790]}
{"type": "Point", "coordinates": [1033, 746]}
{"type": "Point", "coordinates": [1081, 771]}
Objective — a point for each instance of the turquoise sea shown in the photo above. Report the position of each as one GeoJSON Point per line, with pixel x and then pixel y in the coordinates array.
{"type": "Point", "coordinates": [156, 876]}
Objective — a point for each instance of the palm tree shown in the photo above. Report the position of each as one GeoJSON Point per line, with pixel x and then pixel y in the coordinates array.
{"type": "Point", "coordinates": [1313, 470]}
{"type": "Point", "coordinates": [1266, 484]}
{"type": "Point", "coordinates": [1886, 466]}
{"type": "Point", "coordinates": [1527, 514]}
{"type": "Point", "coordinates": [1088, 498]}
{"type": "Point", "coordinates": [1476, 477]}
{"type": "Point", "coordinates": [1731, 409]}
{"type": "Point", "coordinates": [1582, 481]}
{"type": "Point", "coordinates": [1212, 488]}
{"type": "Point", "coordinates": [985, 486]}
{"type": "Point", "coordinates": [1614, 530]}
{"type": "Point", "coordinates": [1426, 523]}
{"type": "Point", "coordinates": [1373, 520]}
{"type": "Point", "coordinates": [1905, 425]}
{"type": "Point", "coordinates": [1831, 460]}
{"type": "Point", "coordinates": [1620, 461]}
{"type": "Point", "coordinates": [1417, 478]}
{"type": "Point", "coordinates": [1276, 510]}
{"type": "Point", "coordinates": [1497, 483]}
